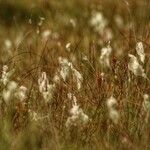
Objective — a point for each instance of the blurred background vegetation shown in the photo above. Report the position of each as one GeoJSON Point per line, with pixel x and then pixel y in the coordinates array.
{"type": "Point", "coordinates": [12, 11]}
{"type": "Point", "coordinates": [21, 14]}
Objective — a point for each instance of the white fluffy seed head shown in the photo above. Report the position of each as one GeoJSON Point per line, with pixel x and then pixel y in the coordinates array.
{"type": "Point", "coordinates": [56, 78]}
{"type": "Point", "coordinates": [78, 77]}
{"type": "Point", "coordinates": [43, 82]}
{"type": "Point", "coordinates": [65, 69]}
{"type": "Point", "coordinates": [77, 114]}
{"type": "Point", "coordinates": [48, 94]}
{"type": "Point", "coordinates": [140, 51]}
{"type": "Point", "coordinates": [72, 97]}
{"type": "Point", "coordinates": [22, 93]}
{"type": "Point", "coordinates": [135, 67]}
{"type": "Point", "coordinates": [75, 110]}
{"type": "Point", "coordinates": [77, 117]}
{"type": "Point", "coordinates": [45, 88]}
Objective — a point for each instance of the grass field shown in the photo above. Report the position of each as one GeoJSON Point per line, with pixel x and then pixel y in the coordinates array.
{"type": "Point", "coordinates": [75, 74]}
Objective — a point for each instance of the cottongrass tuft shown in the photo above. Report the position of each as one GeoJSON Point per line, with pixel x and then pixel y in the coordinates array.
{"type": "Point", "coordinates": [77, 115]}
{"type": "Point", "coordinates": [78, 77]}
{"type": "Point", "coordinates": [105, 54]}
{"type": "Point", "coordinates": [135, 67]}
{"type": "Point", "coordinates": [140, 51]}
{"type": "Point", "coordinates": [65, 69]}
{"type": "Point", "coordinates": [45, 88]}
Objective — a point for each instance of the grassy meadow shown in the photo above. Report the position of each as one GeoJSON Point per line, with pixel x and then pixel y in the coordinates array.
{"type": "Point", "coordinates": [74, 74]}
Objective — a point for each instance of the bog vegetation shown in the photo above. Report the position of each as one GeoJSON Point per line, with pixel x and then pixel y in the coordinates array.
{"type": "Point", "coordinates": [75, 74]}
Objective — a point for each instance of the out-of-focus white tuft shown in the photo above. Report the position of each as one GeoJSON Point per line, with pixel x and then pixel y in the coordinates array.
{"type": "Point", "coordinates": [22, 93]}
{"type": "Point", "coordinates": [41, 21]}
{"type": "Point", "coordinates": [9, 91]}
{"type": "Point", "coordinates": [73, 22]}
{"type": "Point", "coordinates": [146, 103]}
{"type": "Point", "coordinates": [68, 45]}
{"type": "Point", "coordinates": [146, 107]}
{"type": "Point", "coordinates": [119, 21]}
{"type": "Point", "coordinates": [8, 45]}
{"type": "Point", "coordinates": [113, 113]}
{"type": "Point", "coordinates": [46, 34]}
{"type": "Point", "coordinates": [105, 56]}
{"type": "Point", "coordinates": [98, 22]}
